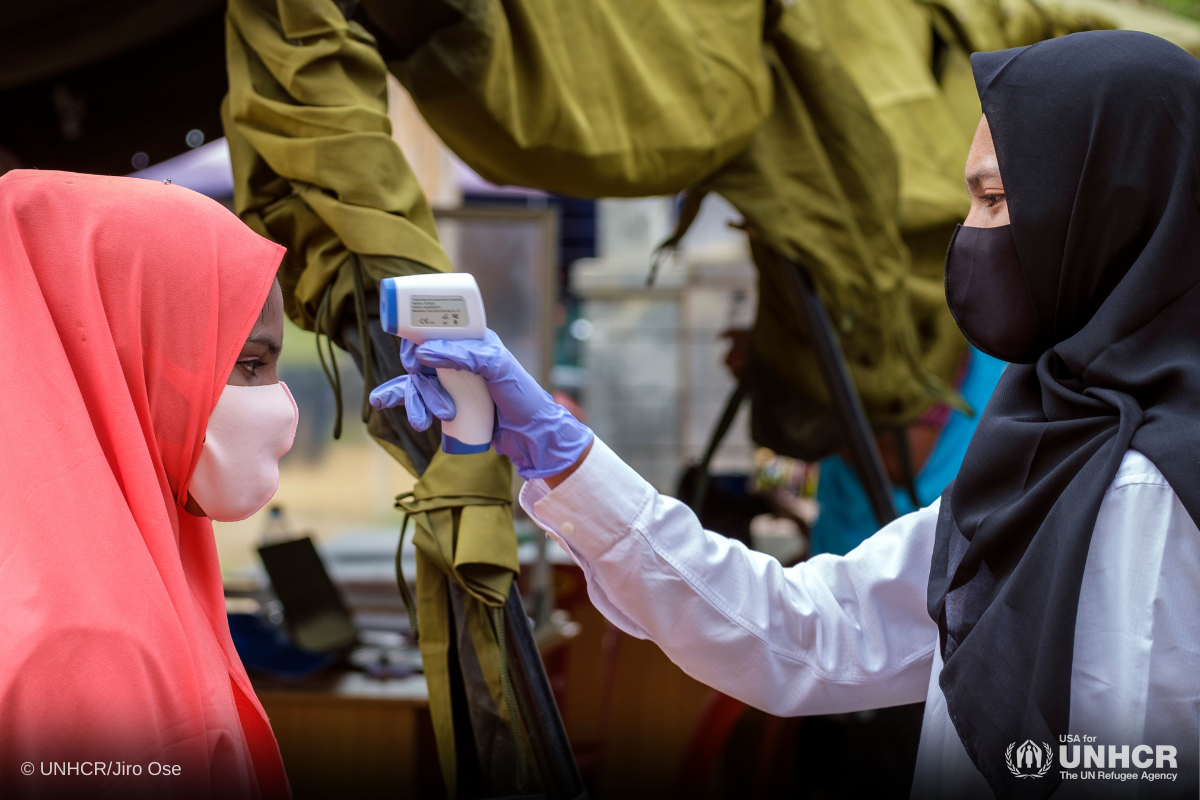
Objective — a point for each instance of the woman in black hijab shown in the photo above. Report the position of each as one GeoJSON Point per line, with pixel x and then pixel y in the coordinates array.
{"type": "Point", "coordinates": [1047, 608]}
{"type": "Point", "coordinates": [1093, 292]}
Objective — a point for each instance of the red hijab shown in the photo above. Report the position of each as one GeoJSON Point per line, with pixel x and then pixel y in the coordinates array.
{"type": "Point", "coordinates": [123, 306]}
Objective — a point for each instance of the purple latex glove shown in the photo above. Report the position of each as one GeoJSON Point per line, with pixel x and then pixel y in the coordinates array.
{"type": "Point", "coordinates": [539, 436]}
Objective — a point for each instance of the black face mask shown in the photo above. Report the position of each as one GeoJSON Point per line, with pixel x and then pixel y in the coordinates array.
{"type": "Point", "coordinates": [988, 296]}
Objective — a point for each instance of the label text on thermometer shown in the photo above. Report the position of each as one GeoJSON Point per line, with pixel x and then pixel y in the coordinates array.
{"type": "Point", "coordinates": [439, 312]}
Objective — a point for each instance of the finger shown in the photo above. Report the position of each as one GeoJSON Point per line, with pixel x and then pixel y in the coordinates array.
{"type": "Point", "coordinates": [435, 397]}
{"type": "Point", "coordinates": [389, 394]}
{"type": "Point", "coordinates": [486, 357]}
{"type": "Point", "coordinates": [418, 414]}
{"type": "Point", "coordinates": [444, 354]}
{"type": "Point", "coordinates": [408, 356]}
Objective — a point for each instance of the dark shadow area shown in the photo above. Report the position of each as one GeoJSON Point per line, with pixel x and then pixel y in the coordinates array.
{"type": "Point", "coordinates": [98, 117]}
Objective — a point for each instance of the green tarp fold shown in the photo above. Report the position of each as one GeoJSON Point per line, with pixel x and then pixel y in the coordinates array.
{"type": "Point", "coordinates": [816, 176]}
{"type": "Point", "coordinates": [315, 166]}
{"type": "Point", "coordinates": [819, 184]}
{"type": "Point", "coordinates": [599, 99]}
{"type": "Point", "coordinates": [466, 564]}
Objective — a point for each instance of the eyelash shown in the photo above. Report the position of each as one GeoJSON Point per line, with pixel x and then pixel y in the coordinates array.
{"type": "Point", "coordinates": [991, 199]}
{"type": "Point", "coordinates": [250, 364]}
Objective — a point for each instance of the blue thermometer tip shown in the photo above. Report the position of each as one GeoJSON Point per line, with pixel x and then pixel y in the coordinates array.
{"type": "Point", "coordinates": [389, 311]}
{"type": "Point", "coordinates": [456, 448]}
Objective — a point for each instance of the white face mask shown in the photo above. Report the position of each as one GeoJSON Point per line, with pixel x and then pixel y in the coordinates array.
{"type": "Point", "coordinates": [249, 431]}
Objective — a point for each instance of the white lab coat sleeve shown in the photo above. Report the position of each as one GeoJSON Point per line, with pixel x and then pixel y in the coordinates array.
{"type": "Point", "coordinates": [830, 635]}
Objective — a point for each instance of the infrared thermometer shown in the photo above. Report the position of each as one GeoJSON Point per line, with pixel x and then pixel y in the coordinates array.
{"type": "Point", "coordinates": [445, 306]}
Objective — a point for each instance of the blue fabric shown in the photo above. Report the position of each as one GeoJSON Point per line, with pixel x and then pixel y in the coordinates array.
{"type": "Point", "coordinates": [846, 517]}
{"type": "Point", "coordinates": [266, 649]}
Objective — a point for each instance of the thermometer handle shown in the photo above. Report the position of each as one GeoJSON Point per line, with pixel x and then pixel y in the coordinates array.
{"type": "Point", "coordinates": [471, 429]}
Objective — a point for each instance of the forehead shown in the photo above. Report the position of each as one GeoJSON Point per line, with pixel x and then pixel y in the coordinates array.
{"type": "Point", "coordinates": [982, 146]}
{"type": "Point", "coordinates": [270, 318]}
{"type": "Point", "coordinates": [273, 305]}
{"type": "Point", "coordinates": [981, 160]}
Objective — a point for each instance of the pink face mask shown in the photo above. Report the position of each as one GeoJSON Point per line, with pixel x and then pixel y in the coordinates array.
{"type": "Point", "coordinates": [249, 431]}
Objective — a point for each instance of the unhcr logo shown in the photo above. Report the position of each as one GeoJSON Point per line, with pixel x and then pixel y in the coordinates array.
{"type": "Point", "coordinates": [1096, 762]}
{"type": "Point", "coordinates": [1031, 761]}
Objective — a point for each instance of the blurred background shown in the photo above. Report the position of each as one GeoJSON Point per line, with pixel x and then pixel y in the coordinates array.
{"type": "Point", "coordinates": [1187, 8]}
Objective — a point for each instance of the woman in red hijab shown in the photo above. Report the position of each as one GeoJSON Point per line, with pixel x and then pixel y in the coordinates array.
{"type": "Point", "coordinates": [139, 324]}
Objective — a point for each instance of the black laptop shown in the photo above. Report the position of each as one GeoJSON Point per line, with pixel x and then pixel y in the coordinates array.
{"type": "Point", "coordinates": [313, 610]}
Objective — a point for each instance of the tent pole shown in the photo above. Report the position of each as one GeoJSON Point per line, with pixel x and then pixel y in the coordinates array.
{"type": "Point", "coordinates": [847, 407]}
{"type": "Point", "coordinates": [539, 712]}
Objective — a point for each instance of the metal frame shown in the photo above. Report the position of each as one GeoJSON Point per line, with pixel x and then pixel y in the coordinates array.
{"type": "Point", "coordinates": [847, 407]}
{"type": "Point", "coordinates": [547, 734]}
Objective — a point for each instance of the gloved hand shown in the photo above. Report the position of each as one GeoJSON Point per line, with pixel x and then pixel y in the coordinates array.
{"type": "Point", "coordinates": [539, 436]}
{"type": "Point", "coordinates": [407, 390]}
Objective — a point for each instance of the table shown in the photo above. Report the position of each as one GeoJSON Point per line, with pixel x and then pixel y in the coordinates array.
{"type": "Point", "coordinates": [348, 735]}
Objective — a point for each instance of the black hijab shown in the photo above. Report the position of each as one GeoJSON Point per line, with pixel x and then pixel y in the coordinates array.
{"type": "Point", "coordinates": [1097, 138]}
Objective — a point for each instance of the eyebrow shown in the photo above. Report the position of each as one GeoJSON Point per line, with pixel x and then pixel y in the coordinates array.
{"type": "Point", "coordinates": [976, 179]}
{"type": "Point", "coordinates": [272, 347]}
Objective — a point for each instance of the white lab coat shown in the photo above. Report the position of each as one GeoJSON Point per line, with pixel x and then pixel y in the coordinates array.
{"type": "Point", "coordinates": [841, 634]}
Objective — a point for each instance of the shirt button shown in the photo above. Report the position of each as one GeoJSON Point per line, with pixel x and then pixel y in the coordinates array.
{"type": "Point", "coordinates": [567, 529]}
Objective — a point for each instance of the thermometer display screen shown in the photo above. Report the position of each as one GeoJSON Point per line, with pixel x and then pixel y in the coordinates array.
{"type": "Point", "coordinates": [438, 312]}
